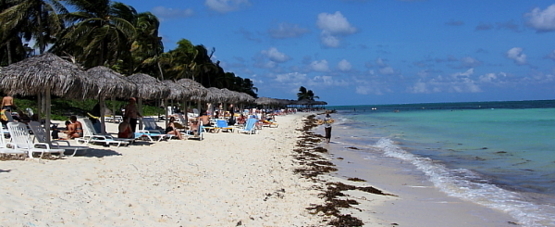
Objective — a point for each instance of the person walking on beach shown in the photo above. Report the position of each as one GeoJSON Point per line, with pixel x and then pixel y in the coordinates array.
{"type": "Point", "coordinates": [132, 113]}
{"type": "Point", "coordinates": [327, 126]}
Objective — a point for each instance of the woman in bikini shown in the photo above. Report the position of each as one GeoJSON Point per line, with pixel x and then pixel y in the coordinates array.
{"type": "Point", "coordinates": [172, 130]}
{"type": "Point", "coordinates": [74, 129]}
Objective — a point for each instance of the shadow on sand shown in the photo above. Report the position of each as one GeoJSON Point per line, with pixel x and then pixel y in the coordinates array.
{"type": "Point", "coordinates": [99, 151]}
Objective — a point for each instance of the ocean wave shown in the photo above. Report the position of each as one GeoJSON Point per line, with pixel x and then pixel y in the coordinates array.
{"type": "Point", "coordinates": [468, 185]}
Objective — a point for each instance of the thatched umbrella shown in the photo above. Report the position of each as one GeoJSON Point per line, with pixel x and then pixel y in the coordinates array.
{"type": "Point", "coordinates": [110, 84]}
{"type": "Point", "coordinates": [195, 88]}
{"type": "Point", "coordinates": [198, 92]}
{"type": "Point", "coordinates": [148, 87]}
{"type": "Point", "coordinates": [46, 74]}
{"type": "Point", "coordinates": [177, 92]}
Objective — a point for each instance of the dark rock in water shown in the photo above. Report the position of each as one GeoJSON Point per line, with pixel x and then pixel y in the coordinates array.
{"type": "Point", "coordinates": [501, 152]}
{"type": "Point", "coordinates": [356, 179]}
{"type": "Point", "coordinates": [479, 159]}
{"type": "Point", "coordinates": [354, 148]}
{"type": "Point", "coordinates": [484, 148]}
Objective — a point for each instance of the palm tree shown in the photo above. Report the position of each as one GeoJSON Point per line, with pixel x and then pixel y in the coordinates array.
{"type": "Point", "coordinates": [37, 20]}
{"type": "Point", "coordinates": [147, 49]}
{"type": "Point", "coordinates": [305, 94]}
{"type": "Point", "coordinates": [101, 33]}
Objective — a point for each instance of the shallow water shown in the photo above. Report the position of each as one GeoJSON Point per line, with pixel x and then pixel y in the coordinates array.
{"type": "Point", "coordinates": [501, 155]}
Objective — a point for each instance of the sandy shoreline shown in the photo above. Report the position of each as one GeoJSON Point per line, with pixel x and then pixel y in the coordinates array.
{"type": "Point", "coordinates": [417, 201]}
{"type": "Point", "coordinates": [228, 179]}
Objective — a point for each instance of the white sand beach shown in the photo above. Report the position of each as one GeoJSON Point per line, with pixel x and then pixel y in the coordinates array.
{"type": "Point", "coordinates": [228, 179]}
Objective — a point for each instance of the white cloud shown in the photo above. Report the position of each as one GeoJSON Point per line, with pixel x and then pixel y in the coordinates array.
{"type": "Point", "coordinates": [516, 55]}
{"type": "Point", "coordinates": [286, 30]}
{"type": "Point", "coordinates": [460, 82]}
{"type": "Point", "coordinates": [168, 13]}
{"type": "Point", "coordinates": [332, 26]}
{"type": "Point", "coordinates": [387, 70]}
{"type": "Point", "coordinates": [319, 66]}
{"type": "Point", "coordinates": [419, 87]}
{"type": "Point", "coordinates": [335, 24]}
{"type": "Point", "coordinates": [344, 65]}
{"type": "Point", "coordinates": [488, 78]}
{"type": "Point", "coordinates": [470, 62]}
{"type": "Point", "coordinates": [274, 55]}
{"type": "Point", "coordinates": [224, 6]}
{"type": "Point", "coordinates": [363, 90]}
{"type": "Point", "coordinates": [329, 40]}
{"type": "Point", "coordinates": [380, 62]}
{"type": "Point", "coordinates": [294, 78]}
{"type": "Point", "coordinates": [542, 20]}
{"type": "Point", "coordinates": [551, 55]}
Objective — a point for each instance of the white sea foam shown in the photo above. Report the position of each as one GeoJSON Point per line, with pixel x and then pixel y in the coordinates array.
{"type": "Point", "coordinates": [465, 184]}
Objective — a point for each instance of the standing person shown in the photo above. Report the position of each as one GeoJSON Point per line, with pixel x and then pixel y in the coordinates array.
{"type": "Point", "coordinates": [132, 113]}
{"type": "Point", "coordinates": [8, 103]}
{"type": "Point", "coordinates": [327, 127]}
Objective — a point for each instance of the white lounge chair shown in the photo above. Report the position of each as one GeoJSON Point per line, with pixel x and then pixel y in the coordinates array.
{"type": "Point", "coordinates": [41, 137]}
{"type": "Point", "coordinates": [21, 140]}
{"type": "Point", "coordinates": [91, 136]}
{"type": "Point", "coordinates": [6, 147]}
{"type": "Point", "coordinates": [151, 130]}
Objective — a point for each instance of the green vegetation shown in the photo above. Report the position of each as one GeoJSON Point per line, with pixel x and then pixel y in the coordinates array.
{"type": "Point", "coordinates": [305, 94]}
{"type": "Point", "coordinates": [107, 33]}
{"type": "Point", "coordinates": [62, 109]}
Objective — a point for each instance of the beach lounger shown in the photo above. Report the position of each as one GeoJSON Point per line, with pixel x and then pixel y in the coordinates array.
{"type": "Point", "coordinates": [250, 127]}
{"type": "Point", "coordinates": [91, 136]}
{"type": "Point", "coordinates": [40, 136]}
{"type": "Point", "coordinates": [221, 125]}
{"type": "Point", "coordinates": [199, 135]}
{"type": "Point", "coordinates": [21, 140]}
{"type": "Point", "coordinates": [6, 147]}
{"type": "Point", "coordinates": [152, 130]}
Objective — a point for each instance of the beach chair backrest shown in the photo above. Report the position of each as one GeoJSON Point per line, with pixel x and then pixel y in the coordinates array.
{"type": "Point", "coordinates": [250, 124]}
{"type": "Point", "coordinates": [19, 134]}
{"type": "Point", "coordinates": [150, 124]}
{"type": "Point", "coordinates": [221, 123]}
{"type": "Point", "coordinates": [182, 119]}
{"type": "Point", "coordinates": [88, 128]}
{"type": "Point", "coordinates": [9, 116]}
{"type": "Point", "coordinates": [2, 136]}
{"type": "Point", "coordinates": [38, 131]}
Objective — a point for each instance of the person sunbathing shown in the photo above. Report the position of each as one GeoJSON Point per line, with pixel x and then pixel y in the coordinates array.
{"type": "Point", "coordinates": [172, 128]}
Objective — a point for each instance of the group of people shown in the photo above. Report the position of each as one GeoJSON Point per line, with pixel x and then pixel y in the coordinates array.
{"type": "Point", "coordinates": [127, 128]}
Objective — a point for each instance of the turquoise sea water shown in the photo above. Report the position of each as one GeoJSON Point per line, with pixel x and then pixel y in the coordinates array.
{"type": "Point", "coordinates": [498, 154]}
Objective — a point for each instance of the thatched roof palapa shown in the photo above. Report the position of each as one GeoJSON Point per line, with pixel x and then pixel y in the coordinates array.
{"type": "Point", "coordinates": [177, 92]}
{"type": "Point", "coordinates": [214, 95]}
{"type": "Point", "coordinates": [198, 92]}
{"type": "Point", "coordinates": [36, 75]}
{"type": "Point", "coordinates": [148, 87]}
{"type": "Point", "coordinates": [110, 83]}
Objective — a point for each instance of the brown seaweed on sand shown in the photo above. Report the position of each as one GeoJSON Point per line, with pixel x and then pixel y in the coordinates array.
{"type": "Point", "coordinates": [310, 157]}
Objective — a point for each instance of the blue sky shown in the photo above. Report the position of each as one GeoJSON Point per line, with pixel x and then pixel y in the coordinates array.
{"type": "Point", "coordinates": [352, 52]}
